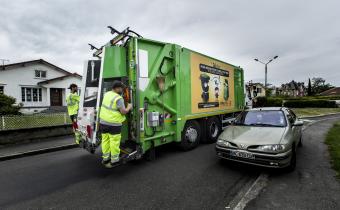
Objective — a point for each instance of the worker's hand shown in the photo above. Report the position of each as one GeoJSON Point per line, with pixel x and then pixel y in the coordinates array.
{"type": "Point", "coordinates": [129, 107]}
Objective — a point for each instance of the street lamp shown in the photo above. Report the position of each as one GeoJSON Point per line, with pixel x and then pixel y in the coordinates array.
{"type": "Point", "coordinates": [265, 69]}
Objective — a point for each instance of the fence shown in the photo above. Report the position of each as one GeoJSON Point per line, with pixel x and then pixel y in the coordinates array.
{"type": "Point", "coordinates": [16, 122]}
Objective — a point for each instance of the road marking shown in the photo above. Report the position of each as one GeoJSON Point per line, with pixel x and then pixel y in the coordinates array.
{"type": "Point", "coordinates": [246, 194]}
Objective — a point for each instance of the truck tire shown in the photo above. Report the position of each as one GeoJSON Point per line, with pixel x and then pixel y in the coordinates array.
{"type": "Point", "coordinates": [213, 129]}
{"type": "Point", "coordinates": [191, 135]}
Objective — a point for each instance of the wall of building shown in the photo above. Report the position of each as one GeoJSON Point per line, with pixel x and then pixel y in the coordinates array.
{"type": "Point", "coordinates": [63, 84]}
{"type": "Point", "coordinates": [24, 76]}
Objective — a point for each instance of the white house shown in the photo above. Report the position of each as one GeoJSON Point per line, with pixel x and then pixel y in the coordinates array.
{"type": "Point", "coordinates": [254, 90]}
{"type": "Point", "coordinates": [37, 84]}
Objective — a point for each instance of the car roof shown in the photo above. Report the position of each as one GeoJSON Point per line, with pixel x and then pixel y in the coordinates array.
{"type": "Point", "coordinates": [267, 109]}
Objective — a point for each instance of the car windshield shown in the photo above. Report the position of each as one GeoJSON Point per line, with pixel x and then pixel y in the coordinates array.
{"type": "Point", "coordinates": [261, 118]}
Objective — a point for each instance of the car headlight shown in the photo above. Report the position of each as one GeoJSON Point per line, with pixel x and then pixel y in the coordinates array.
{"type": "Point", "coordinates": [272, 148]}
{"type": "Point", "coordinates": [223, 143]}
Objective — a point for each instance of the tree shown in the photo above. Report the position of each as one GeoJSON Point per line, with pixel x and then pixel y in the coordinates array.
{"type": "Point", "coordinates": [309, 90]}
{"type": "Point", "coordinates": [7, 105]}
{"type": "Point", "coordinates": [319, 85]}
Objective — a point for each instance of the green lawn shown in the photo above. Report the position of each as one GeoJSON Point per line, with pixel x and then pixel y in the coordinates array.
{"type": "Point", "coordinates": [33, 121]}
{"type": "Point", "coordinates": [306, 112]}
{"type": "Point", "coordinates": [333, 141]}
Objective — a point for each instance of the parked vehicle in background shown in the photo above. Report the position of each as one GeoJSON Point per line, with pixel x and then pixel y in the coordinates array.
{"type": "Point", "coordinates": [262, 136]}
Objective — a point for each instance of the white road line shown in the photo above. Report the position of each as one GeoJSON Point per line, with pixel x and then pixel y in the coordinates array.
{"type": "Point", "coordinates": [241, 201]}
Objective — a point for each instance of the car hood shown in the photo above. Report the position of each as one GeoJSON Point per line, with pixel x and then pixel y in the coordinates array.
{"type": "Point", "coordinates": [253, 135]}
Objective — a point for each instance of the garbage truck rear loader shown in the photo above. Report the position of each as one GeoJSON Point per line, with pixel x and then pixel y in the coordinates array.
{"type": "Point", "coordinates": [178, 95]}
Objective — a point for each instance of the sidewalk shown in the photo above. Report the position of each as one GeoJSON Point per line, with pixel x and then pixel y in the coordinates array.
{"type": "Point", "coordinates": [52, 142]}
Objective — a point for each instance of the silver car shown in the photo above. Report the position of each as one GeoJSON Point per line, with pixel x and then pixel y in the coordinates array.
{"type": "Point", "coordinates": [263, 136]}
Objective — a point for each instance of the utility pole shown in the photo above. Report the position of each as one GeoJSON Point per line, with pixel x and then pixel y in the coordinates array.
{"type": "Point", "coordinates": [3, 61]}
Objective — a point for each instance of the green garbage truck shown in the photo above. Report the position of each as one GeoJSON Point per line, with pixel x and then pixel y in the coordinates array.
{"type": "Point", "coordinates": [178, 95]}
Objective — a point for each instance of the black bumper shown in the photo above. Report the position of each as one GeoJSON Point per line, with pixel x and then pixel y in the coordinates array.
{"type": "Point", "coordinates": [279, 160]}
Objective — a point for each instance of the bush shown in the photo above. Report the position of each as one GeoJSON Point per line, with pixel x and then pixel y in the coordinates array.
{"type": "Point", "coordinates": [7, 106]}
{"type": "Point", "coordinates": [318, 103]}
{"type": "Point", "coordinates": [268, 102]}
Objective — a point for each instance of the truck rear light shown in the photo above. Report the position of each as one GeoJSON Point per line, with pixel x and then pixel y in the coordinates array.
{"type": "Point", "coordinates": [89, 131]}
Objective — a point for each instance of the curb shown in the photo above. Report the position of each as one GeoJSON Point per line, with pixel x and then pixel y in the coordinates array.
{"type": "Point", "coordinates": [317, 121]}
{"type": "Point", "coordinates": [320, 115]}
{"type": "Point", "coordinates": [37, 152]}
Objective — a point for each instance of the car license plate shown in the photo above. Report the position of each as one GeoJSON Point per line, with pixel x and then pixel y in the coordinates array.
{"type": "Point", "coordinates": [242, 154]}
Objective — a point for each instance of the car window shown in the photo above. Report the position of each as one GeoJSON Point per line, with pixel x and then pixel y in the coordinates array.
{"type": "Point", "coordinates": [291, 116]}
{"type": "Point", "coordinates": [261, 118]}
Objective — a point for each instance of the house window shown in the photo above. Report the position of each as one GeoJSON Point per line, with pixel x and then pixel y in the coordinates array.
{"type": "Point", "coordinates": [39, 94]}
{"type": "Point", "coordinates": [40, 74]}
{"type": "Point", "coordinates": [1, 89]}
{"type": "Point", "coordinates": [31, 94]}
{"type": "Point", "coordinates": [259, 90]}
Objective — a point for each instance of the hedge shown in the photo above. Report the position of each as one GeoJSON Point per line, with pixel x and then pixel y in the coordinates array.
{"type": "Point", "coordinates": [336, 97]}
{"type": "Point", "coordinates": [268, 102]}
{"type": "Point", "coordinates": [296, 103]}
{"type": "Point", "coordinates": [310, 104]}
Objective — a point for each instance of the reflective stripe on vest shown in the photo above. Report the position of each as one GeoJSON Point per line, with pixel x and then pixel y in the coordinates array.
{"type": "Point", "coordinates": [111, 104]}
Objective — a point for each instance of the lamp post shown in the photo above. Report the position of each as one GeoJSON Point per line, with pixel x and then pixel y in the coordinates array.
{"type": "Point", "coordinates": [266, 69]}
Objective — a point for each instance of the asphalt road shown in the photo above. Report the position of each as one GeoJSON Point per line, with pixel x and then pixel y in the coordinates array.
{"type": "Point", "coordinates": [74, 179]}
{"type": "Point", "coordinates": [313, 184]}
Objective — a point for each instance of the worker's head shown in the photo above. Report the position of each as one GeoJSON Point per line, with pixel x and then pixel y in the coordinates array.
{"type": "Point", "coordinates": [73, 88]}
{"type": "Point", "coordinates": [117, 87]}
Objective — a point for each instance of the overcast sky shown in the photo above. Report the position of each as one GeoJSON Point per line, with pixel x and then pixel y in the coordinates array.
{"type": "Point", "coordinates": [304, 34]}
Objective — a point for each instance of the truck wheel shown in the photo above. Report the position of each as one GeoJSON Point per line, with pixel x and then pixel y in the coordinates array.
{"type": "Point", "coordinates": [191, 135]}
{"type": "Point", "coordinates": [213, 129]}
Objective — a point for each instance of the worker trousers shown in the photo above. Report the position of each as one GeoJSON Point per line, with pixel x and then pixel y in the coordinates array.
{"type": "Point", "coordinates": [77, 136]}
{"type": "Point", "coordinates": [110, 147]}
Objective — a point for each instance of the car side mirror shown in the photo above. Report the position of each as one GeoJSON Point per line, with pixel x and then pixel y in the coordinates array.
{"type": "Point", "coordinates": [298, 123]}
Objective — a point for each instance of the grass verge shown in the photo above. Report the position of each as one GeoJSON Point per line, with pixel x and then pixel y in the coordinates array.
{"type": "Point", "coordinates": [306, 112]}
{"type": "Point", "coordinates": [333, 142]}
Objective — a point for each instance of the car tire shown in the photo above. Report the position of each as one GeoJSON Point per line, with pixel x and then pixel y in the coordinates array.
{"type": "Point", "coordinates": [300, 142]}
{"type": "Point", "coordinates": [191, 135]}
{"type": "Point", "coordinates": [212, 130]}
{"type": "Point", "coordinates": [292, 164]}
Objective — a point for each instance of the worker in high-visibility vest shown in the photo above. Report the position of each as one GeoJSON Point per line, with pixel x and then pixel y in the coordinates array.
{"type": "Point", "coordinates": [72, 101]}
{"type": "Point", "coordinates": [112, 115]}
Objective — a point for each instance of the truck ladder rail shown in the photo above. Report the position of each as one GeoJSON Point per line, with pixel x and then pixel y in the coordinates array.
{"type": "Point", "coordinates": [120, 37]}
